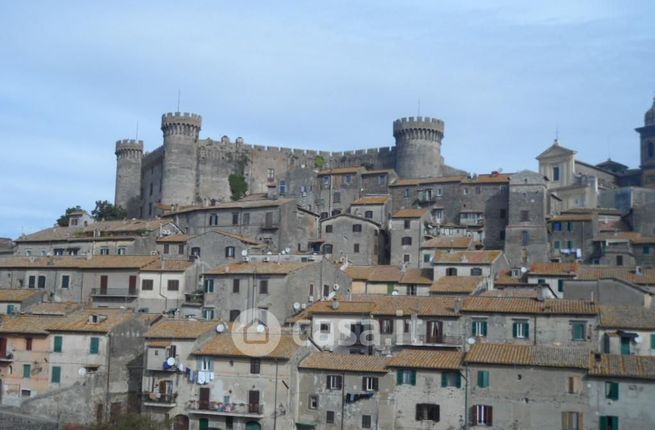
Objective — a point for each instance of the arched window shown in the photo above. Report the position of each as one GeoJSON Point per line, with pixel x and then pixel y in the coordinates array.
{"type": "Point", "coordinates": [476, 271]}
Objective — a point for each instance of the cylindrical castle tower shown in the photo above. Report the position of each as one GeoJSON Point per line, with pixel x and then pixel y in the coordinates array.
{"type": "Point", "coordinates": [181, 132]}
{"type": "Point", "coordinates": [418, 147]}
{"type": "Point", "coordinates": [129, 155]}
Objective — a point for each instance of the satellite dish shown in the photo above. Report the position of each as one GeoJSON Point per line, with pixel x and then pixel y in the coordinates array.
{"type": "Point", "coordinates": [201, 378]}
{"type": "Point", "coordinates": [261, 328]}
{"type": "Point", "coordinates": [336, 287]}
{"type": "Point", "coordinates": [335, 305]}
{"type": "Point", "coordinates": [244, 253]}
{"type": "Point", "coordinates": [637, 339]}
{"type": "Point", "coordinates": [470, 341]}
{"type": "Point", "coordinates": [170, 361]}
{"type": "Point", "coordinates": [296, 306]}
{"type": "Point", "coordinates": [524, 269]}
{"type": "Point", "coordinates": [287, 250]}
{"type": "Point", "coordinates": [220, 328]}
{"type": "Point", "coordinates": [394, 293]}
{"type": "Point", "coordinates": [82, 371]}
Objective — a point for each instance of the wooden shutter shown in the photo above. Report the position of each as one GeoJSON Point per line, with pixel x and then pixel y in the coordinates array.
{"type": "Point", "coordinates": [484, 328]}
{"type": "Point", "coordinates": [419, 415]}
{"type": "Point", "coordinates": [490, 415]}
{"type": "Point", "coordinates": [474, 415]}
{"type": "Point", "coordinates": [515, 329]}
{"type": "Point", "coordinates": [132, 284]}
{"type": "Point", "coordinates": [413, 374]}
{"type": "Point", "coordinates": [375, 384]}
{"type": "Point", "coordinates": [399, 377]}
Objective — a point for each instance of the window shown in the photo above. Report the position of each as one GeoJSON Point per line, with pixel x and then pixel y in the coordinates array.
{"type": "Point", "coordinates": [482, 415]}
{"type": "Point", "coordinates": [503, 213]}
{"type": "Point", "coordinates": [646, 250]}
{"type": "Point", "coordinates": [406, 258]}
{"type": "Point", "coordinates": [427, 258]}
{"type": "Point", "coordinates": [25, 393]}
{"type": "Point", "coordinates": [348, 179]}
{"type": "Point", "coordinates": [557, 244]}
{"type": "Point", "coordinates": [65, 281]}
{"type": "Point", "coordinates": [557, 226]}
{"type": "Point", "coordinates": [619, 262]}
{"type": "Point", "coordinates": [571, 420]}
{"type": "Point", "coordinates": [578, 330]}
{"type": "Point", "coordinates": [213, 219]}
{"type": "Point", "coordinates": [427, 412]}
{"type": "Point", "coordinates": [246, 219]}
{"type": "Point", "coordinates": [569, 226]}
{"type": "Point", "coordinates": [94, 345]}
{"type": "Point", "coordinates": [327, 248]}
{"type": "Point", "coordinates": [234, 314]}
{"type": "Point", "coordinates": [525, 238]}
{"type": "Point", "coordinates": [451, 271]}
{"type": "Point", "coordinates": [11, 309]}
{"type": "Point", "coordinates": [235, 218]}
{"type": "Point", "coordinates": [476, 271]}
{"type": "Point", "coordinates": [407, 224]}
{"type": "Point", "coordinates": [381, 179]}
{"type": "Point", "coordinates": [406, 377]}
{"type": "Point", "coordinates": [652, 341]}
{"type": "Point", "coordinates": [209, 285]}
{"type": "Point", "coordinates": [28, 344]}
{"type": "Point", "coordinates": [608, 422]}
{"type": "Point", "coordinates": [574, 385]}
{"type": "Point", "coordinates": [173, 285]}
{"type": "Point", "coordinates": [255, 366]}
{"type": "Point", "coordinates": [122, 251]}
{"type": "Point", "coordinates": [406, 241]}
{"type": "Point", "coordinates": [324, 327]}
{"type": "Point", "coordinates": [406, 193]}
{"type": "Point", "coordinates": [41, 282]}
{"type": "Point", "coordinates": [357, 228]}
{"type": "Point", "coordinates": [236, 284]}
{"type": "Point", "coordinates": [451, 379]}
{"type": "Point", "coordinates": [521, 329]}
{"type": "Point", "coordinates": [369, 383]}
{"type": "Point", "coordinates": [195, 251]}
{"type": "Point", "coordinates": [386, 326]}
{"type": "Point", "coordinates": [205, 364]}
{"type": "Point", "coordinates": [465, 191]}
{"type": "Point", "coordinates": [483, 378]}
{"type": "Point", "coordinates": [329, 417]}
{"type": "Point", "coordinates": [313, 402]}
{"type": "Point", "coordinates": [263, 286]}
{"type": "Point", "coordinates": [229, 252]}
{"type": "Point", "coordinates": [501, 236]}
{"type": "Point", "coordinates": [525, 215]}
{"type": "Point", "coordinates": [479, 328]}
{"type": "Point", "coordinates": [27, 371]}
{"type": "Point", "coordinates": [356, 248]}
{"type": "Point", "coordinates": [104, 251]}
{"type": "Point", "coordinates": [366, 421]}
{"type": "Point", "coordinates": [556, 173]}
{"type": "Point", "coordinates": [333, 382]}
{"type": "Point", "coordinates": [328, 229]}
{"type": "Point", "coordinates": [612, 390]}
{"type": "Point", "coordinates": [569, 244]}
{"type": "Point", "coordinates": [368, 214]}
{"type": "Point", "coordinates": [337, 197]}
{"type": "Point", "coordinates": [651, 150]}
{"type": "Point", "coordinates": [58, 343]}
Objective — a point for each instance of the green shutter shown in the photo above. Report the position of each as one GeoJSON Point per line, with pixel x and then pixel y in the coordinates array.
{"type": "Point", "coordinates": [560, 285]}
{"type": "Point", "coordinates": [473, 333]}
{"type": "Point", "coordinates": [203, 424]}
{"type": "Point", "coordinates": [58, 344]}
{"type": "Point", "coordinates": [56, 374]}
{"type": "Point", "coordinates": [10, 309]}
{"type": "Point", "coordinates": [526, 332]}
{"type": "Point", "coordinates": [444, 379]}
{"type": "Point", "coordinates": [458, 382]}
{"type": "Point", "coordinates": [413, 377]}
{"type": "Point", "coordinates": [612, 390]}
{"type": "Point", "coordinates": [399, 377]}
{"type": "Point", "coordinates": [515, 329]}
{"type": "Point", "coordinates": [603, 423]}
{"type": "Point", "coordinates": [27, 371]}
{"type": "Point", "coordinates": [94, 348]}
{"type": "Point", "coordinates": [652, 341]}
{"type": "Point", "coordinates": [484, 328]}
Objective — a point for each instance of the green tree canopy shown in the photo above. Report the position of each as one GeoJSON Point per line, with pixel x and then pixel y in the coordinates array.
{"type": "Point", "coordinates": [107, 211]}
{"type": "Point", "coordinates": [63, 220]}
{"type": "Point", "coordinates": [238, 186]}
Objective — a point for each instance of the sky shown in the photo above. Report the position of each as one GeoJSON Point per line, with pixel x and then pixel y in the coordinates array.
{"type": "Point", "coordinates": [505, 76]}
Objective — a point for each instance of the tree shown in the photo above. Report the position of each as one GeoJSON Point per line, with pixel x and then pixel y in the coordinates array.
{"type": "Point", "coordinates": [106, 211]}
{"type": "Point", "coordinates": [238, 186]}
{"type": "Point", "coordinates": [62, 221]}
{"type": "Point", "coordinates": [131, 422]}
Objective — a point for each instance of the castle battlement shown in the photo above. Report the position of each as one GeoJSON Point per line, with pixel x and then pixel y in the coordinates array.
{"type": "Point", "coordinates": [129, 147]}
{"type": "Point", "coordinates": [181, 123]}
{"type": "Point", "coordinates": [420, 122]}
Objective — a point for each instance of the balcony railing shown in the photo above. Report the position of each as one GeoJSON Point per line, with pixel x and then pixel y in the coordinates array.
{"type": "Point", "coordinates": [160, 400]}
{"type": "Point", "coordinates": [270, 226]}
{"type": "Point", "coordinates": [228, 409]}
{"type": "Point", "coordinates": [114, 292]}
{"type": "Point", "coordinates": [6, 357]}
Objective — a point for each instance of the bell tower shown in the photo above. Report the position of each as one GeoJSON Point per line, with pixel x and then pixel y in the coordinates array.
{"type": "Point", "coordinates": [647, 148]}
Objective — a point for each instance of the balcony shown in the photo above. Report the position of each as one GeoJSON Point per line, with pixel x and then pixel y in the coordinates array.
{"type": "Point", "coordinates": [270, 226]}
{"type": "Point", "coordinates": [6, 357]}
{"type": "Point", "coordinates": [158, 400]}
{"type": "Point", "coordinates": [114, 292]}
{"type": "Point", "coordinates": [197, 298]}
{"type": "Point", "coordinates": [255, 410]}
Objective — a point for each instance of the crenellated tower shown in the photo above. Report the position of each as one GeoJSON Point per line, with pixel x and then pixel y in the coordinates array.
{"type": "Point", "coordinates": [129, 155]}
{"type": "Point", "coordinates": [181, 131]}
{"type": "Point", "coordinates": [647, 148]}
{"type": "Point", "coordinates": [418, 147]}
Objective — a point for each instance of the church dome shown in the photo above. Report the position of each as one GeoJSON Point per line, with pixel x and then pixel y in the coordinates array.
{"type": "Point", "coordinates": [649, 118]}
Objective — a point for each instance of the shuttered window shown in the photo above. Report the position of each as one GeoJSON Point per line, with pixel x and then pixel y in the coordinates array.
{"type": "Point", "coordinates": [56, 375]}
{"type": "Point", "coordinates": [94, 346]}
{"type": "Point", "coordinates": [483, 378]}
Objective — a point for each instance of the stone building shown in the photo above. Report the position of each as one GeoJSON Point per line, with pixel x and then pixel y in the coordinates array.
{"type": "Point", "coordinates": [359, 241]}
{"type": "Point", "coordinates": [627, 330]}
{"type": "Point", "coordinates": [376, 208]}
{"type": "Point", "coordinates": [408, 230]}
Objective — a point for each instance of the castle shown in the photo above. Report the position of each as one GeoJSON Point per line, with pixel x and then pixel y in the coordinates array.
{"type": "Point", "coordinates": [187, 170]}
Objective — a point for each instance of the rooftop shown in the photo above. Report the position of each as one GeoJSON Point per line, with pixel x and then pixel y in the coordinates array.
{"type": "Point", "coordinates": [222, 345]}
{"type": "Point", "coordinates": [17, 295]}
{"type": "Point", "coordinates": [456, 284]}
{"type": "Point", "coordinates": [28, 324]}
{"type": "Point", "coordinates": [261, 268]}
{"type": "Point", "coordinates": [553, 269]}
{"type": "Point", "coordinates": [627, 317]}
{"type": "Point", "coordinates": [448, 242]}
{"type": "Point", "coordinates": [622, 366]}
{"type": "Point", "coordinates": [52, 308]}
{"type": "Point", "coordinates": [169, 328]}
{"type": "Point", "coordinates": [528, 355]}
{"type": "Point", "coordinates": [427, 359]}
{"type": "Point", "coordinates": [167, 265]}
{"type": "Point", "coordinates": [427, 181]}
{"type": "Point", "coordinates": [516, 305]}
{"type": "Point", "coordinates": [593, 273]}
{"type": "Point", "coordinates": [80, 322]}
{"type": "Point", "coordinates": [413, 276]}
{"type": "Point", "coordinates": [466, 257]}
{"type": "Point", "coordinates": [370, 200]}
{"type": "Point", "coordinates": [410, 213]}
{"type": "Point", "coordinates": [344, 362]}
{"type": "Point", "coordinates": [98, 230]}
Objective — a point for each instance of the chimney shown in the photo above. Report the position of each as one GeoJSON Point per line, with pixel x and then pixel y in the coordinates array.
{"type": "Point", "coordinates": [458, 305]}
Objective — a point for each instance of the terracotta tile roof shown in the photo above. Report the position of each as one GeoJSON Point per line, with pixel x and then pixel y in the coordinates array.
{"type": "Point", "coordinates": [466, 257]}
{"type": "Point", "coordinates": [175, 238]}
{"type": "Point", "coordinates": [370, 200]}
{"type": "Point", "coordinates": [448, 242]}
{"type": "Point", "coordinates": [344, 362]}
{"type": "Point", "coordinates": [456, 284]}
{"type": "Point", "coordinates": [359, 272]}
{"type": "Point", "coordinates": [168, 328]}
{"type": "Point", "coordinates": [427, 181]}
{"type": "Point", "coordinates": [28, 324]}
{"type": "Point", "coordinates": [79, 322]}
{"type": "Point", "coordinates": [421, 305]}
{"type": "Point", "coordinates": [526, 293]}
{"type": "Point", "coordinates": [17, 295]}
{"type": "Point", "coordinates": [410, 213]}
{"type": "Point", "coordinates": [427, 359]}
{"type": "Point", "coordinates": [528, 306]}
{"type": "Point", "coordinates": [622, 366]}
{"type": "Point", "coordinates": [118, 262]}
{"type": "Point", "coordinates": [553, 269]}
{"type": "Point", "coordinates": [505, 277]}
{"type": "Point", "coordinates": [488, 179]}
{"type": "Point", "coordinates": [239, 204]}
{"type": "Point", "coordinates": [593, 273]}
{"type": "Point", "coordinates": [260, 268]}
{"type": "Point", "coordinates": [341, 171]}
{"type": "Point", "coordinates": [618, 235]}
{"type": "Point", "coordinates": [98, 230]}
{"type": "Point", "coordinates": [385, 274]}
{"type": "Point", "coordinates": [168, 266]}
{"type": "Point", "coordinates": [571, 217]}
{"type": "Point", "coordinates": [52, 308]}
{"type": "Point", "coordinates": [41, 262]}
{"type": "Point", "coordinates": [222, 345]}
{"type": "Point", "coordinates": [644, 240]}
{"type": "Point", "coordinates": [158, 343]}
{"type": "Point", "coordinates": [344, 307]}
{"type": "Point", "coordinates": [378, 172]}
{"type": "Point", "coordinates": [415, 276]}
{"type": "Point", "coordinates": [627, 317]}
{"type": "Point", "coordinates": [528, 355]}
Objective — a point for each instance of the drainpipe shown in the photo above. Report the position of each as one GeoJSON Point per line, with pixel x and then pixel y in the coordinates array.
{"type": "Point", "coordinates": [108, 374]}
{"type": "Point", "coordinates": [343, 388]}
{"type": "Point", "coordinates": [275, 397]}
